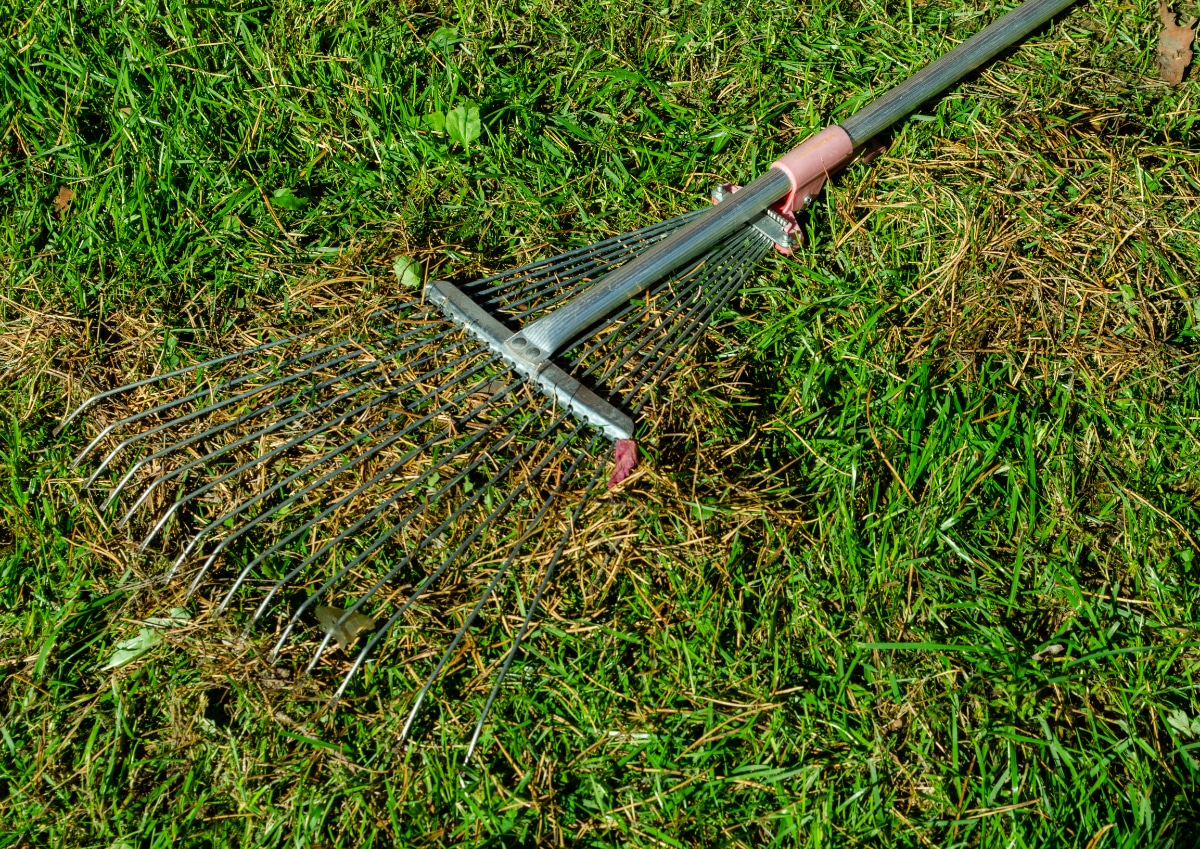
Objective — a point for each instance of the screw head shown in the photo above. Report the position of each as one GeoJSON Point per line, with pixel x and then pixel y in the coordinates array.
{"type": "Point", "coordinates": [807, 200]}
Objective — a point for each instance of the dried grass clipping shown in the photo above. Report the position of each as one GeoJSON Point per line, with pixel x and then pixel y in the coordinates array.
{"type": "Point", "coordinates": [1174, 44]}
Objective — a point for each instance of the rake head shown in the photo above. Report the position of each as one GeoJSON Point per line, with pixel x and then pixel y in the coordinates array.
{"type": "Point", "coordinates": [400, 465]}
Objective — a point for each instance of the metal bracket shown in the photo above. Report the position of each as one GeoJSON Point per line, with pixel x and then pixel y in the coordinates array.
{"type": "Point", "coordinates": [771, 223]}
{"type": "Point", "coordinates": [553, 381]}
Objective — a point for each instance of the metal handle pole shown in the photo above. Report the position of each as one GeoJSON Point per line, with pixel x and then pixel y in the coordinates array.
{"type": "Point", "coordinates": [931, 80]}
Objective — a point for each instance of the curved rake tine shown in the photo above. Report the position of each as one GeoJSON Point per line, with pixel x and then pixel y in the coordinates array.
{"type": "Point", "coordinates": [176, 373]}
{"type": "Point", "coordinates": [279, 403]}
{"type": "Point", "coordinates": [245, 505]}
{"type": "Point", "coordinates": [426, 541]}
{"type": "Point", "coordinates": [695, 317]}
{"type": "Point", "coordinates": [249, 525]}
{"type": "Point", "coordinates": [679, 288]}
{"type": "Point", "coordinates": [304, 437]}
{"type": "Point", "coordinates": [684, 304]}
{"type": "Point", "coordinates": [544, 266]}
{"type": "Point", "coordinates": [624, 332]}
{"type": "Point", "coordinates": [514, 550]}
{"type": "Point", "coordinates": [437, 573]}
{"type": "Point", "coordinates": [204, 411]}
{"type": "Point", "coordinates": [597, 264]}
{"type": "Point", "coordinates": [695, 325]}
{"type": "Point", "coordinates": [257, 349]}
{"type": "Point", "coordinates": [362, 522]}
{"type": "Point", "coordinates": [212, 408]}
{"type": "Point", "coordinates": [399, 524]}
{"type": "Point", "coordinates": [199, 393]}
{"type": "Point", "coordinates": [533, 606]}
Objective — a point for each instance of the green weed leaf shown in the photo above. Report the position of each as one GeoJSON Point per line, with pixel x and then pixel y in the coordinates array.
{"type": "Point", "coordinates": [443, 37]}
{"type": "Point", "coordinates": [408, 272]}
{"type": "Point", "coordinates": [463, 125]}
{"type": "Point", "coordinates": [130, 650]}
{"type": "Point", "coordinates": [343, 634]}
{"type": "Point", "coordinates": [435, 121]}
{"type": "Point", "coordinates": [147, 638]}
{"type": "Point", "coordinates": [1187, 727]}
{"type": "Point", "coordinates": [288, 199]}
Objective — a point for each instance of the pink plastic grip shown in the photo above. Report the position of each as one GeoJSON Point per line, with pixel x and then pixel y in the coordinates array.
{"type": "Point", "coordinates": [812, 162]}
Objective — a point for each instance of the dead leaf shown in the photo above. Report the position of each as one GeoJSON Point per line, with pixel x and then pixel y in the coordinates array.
{"type": "Point", "coordinates": [1174, 44]}
{"type": "Point", "coordinates": [492, 390]}
{"type": "Point", "coordinates": [343, 634]}
{"type": "Point", "coordinates": [274, 678]}
{"type": "Point", "coordinates": [63, 199]}
{"type": "Point", "coordinates": [1052, 650]}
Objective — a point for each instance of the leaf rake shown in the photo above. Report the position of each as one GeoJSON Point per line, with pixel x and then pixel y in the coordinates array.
{"type": "Point", "coordinates": [457, 435]}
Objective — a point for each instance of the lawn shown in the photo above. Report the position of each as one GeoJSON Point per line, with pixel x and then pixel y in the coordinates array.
{"type": "Point", "coordinates": [910, 557]}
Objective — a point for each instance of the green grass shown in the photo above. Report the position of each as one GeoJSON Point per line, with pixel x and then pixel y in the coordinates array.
{"type": "Point", "coordinates": [960, 426]}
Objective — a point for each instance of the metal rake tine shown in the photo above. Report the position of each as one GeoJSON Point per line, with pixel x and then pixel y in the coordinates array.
{"type": "Point", "coordinates": [564, 259]}
{"type": "Point", "coordinates": [682, 333]}
{"type": "Point", "coordinates": [243, 506]}
{"type": "Point", "coordinates": [279, 425]}
{"type": "Point", "coordinates": [359, 524]}
{"type": "Point", "coordinates": [437, 532]}
{"type": "Point", "coordinates": [228, 425]}
{"type": "Point", "coordinates": [245, 352]}
{"type": "Point", "coordinates": [698, 324]}
{"type": "Point", "coordinates": [600, 260]}
{"type": "Point", "coordinates": [397, 526]}
{"type": "Point", "coordinates": [514, 549]}
{"type": "Point", "coordinates": [176, 373]}
{"type": "Point", "coordinates": [420, 590]}
{"type": "Point", "coordinates": [199, 393]}
{"type": "Point", "coordinates": [696, 282]}
{"type": "Point", "coordinates": [248, 526]}
{"type": "Point", "coordinates": [624, 331]}
{"type": "Point", "coordinates": [565, 288]}
{"type": "Point", "coordinates": [533, 606]}
{"type": "Point", "coordinates": [618, 324]}
{"type": "Point", "coordinates": [212, 408]}
{"type": "Point", "coordinates": [240, 420]}
{"type": "Point", "coordinates": [437, 573]}
{"type": "Point", "coordinates": [204, 411]}
{"type": "Point", "coordinates": [723, 285]}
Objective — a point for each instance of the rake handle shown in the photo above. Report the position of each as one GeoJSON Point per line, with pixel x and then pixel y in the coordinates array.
{"type": "Point", "coordinates": [535, 343]}
{"type": "Point", "coordinates": [939, 75]}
